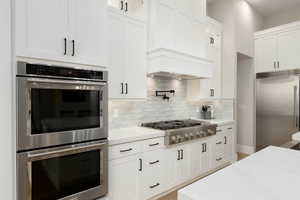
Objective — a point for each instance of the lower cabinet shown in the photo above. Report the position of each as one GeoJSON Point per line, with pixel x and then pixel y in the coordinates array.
{"type": "Point", "coordinates": [137, 177]}
{"type": "Point", "coordinates": [124, 178]}
{"type": "Point", "coordinates": [140, 170]}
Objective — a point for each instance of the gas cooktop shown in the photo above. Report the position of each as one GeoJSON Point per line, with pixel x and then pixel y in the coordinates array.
{"type": "Point", "coordinates": [173, 124]}
{"type": "Point", "coordinates": [179, 131]}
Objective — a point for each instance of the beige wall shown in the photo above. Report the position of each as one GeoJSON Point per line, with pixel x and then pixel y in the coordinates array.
{"type": "Point", "coordinates": [281, 18]}
{"type": "Point", "coordinates": [6, 144]}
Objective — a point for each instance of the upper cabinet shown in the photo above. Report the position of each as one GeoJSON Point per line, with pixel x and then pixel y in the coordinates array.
{"type": "Point", "coordinates": [127, 57]}
{"type": "Point", "coordinates": [209, 88]}
{"type": "Point", "coordinates": [71, 31]}
{"type": "Point", "coordinates": [277, 49]}
{"type": "Point", "coordinates": [134, 8]}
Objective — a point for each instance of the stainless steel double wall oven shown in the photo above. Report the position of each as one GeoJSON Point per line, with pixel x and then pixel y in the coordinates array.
{"type": "Point", "coordinates": [62, 129]}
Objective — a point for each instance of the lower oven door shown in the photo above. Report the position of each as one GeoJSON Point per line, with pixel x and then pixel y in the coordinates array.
{"type": "Point", "coordinates": [75, 172]}
{"type": "Point", "coordinates": [54, 112]}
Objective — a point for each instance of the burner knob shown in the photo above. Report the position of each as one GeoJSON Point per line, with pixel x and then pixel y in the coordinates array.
{"type": "Point", "coordinates": [186, 136]}
{"type": "Point", "coordinates": [210, 132]}
{"type": "Point", "coordinates": [191, 135]}
{"type": "Point", "coordinates": [203, 134]}
{"type": "Point", "coordinates": [198, 134]}
{"type": "Point", "coordinates": [173, 139]}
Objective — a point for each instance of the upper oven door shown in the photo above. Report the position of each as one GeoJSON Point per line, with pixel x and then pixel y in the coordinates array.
{"type": "Point", "coordinates": [53, 112]}
{"type": "Point", "coordinates": [65, 173]}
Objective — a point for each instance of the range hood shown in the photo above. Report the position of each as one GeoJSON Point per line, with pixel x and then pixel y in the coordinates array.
{"type": "Point", "coordinates": [171, 64]}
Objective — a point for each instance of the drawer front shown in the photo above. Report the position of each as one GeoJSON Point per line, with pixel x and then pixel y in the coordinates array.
{"type": "Point", "coordinates": [153, 144]}
{"type": "Point", "coordinates": [153, 181]}
{"type": "Point", "coordinates": [123, 150]}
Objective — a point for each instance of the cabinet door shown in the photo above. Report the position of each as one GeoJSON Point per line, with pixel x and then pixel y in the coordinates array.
{"type": "Point", "coordinates": [117, 55]}
{"type": "Point", "coordinates": [136, 9]}
{"type": "Point", "coordinates": [173, 158]}
{"type": "Point", "coordinates": [124, 175]}
{"type": "Point", "coordinates": [229, 145]}
{"type": "Point", "coordinates": [135, 51]}
{"type": "Point", "coordinates": [196, 152]}
{"type": "Point", "coordinates": [206, 156]}
{"type": "Point", "coordinates": [192, 8]}
{"type": "Point", "coordinates": [265, 54]}
{"type": "Point", "coordinates": [88, 19]}
{"type": "Point", "coordinates": [41, 27]}
{"type": "Point", "coordinates": [288, 50]}
{"type": "Point", "coordinates": [153, 177]}
{"type": "Point", "coordinates": [185, 163]}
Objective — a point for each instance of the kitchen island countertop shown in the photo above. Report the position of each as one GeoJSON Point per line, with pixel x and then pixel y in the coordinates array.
{"type": "Point", "coordinates": [271, 174]}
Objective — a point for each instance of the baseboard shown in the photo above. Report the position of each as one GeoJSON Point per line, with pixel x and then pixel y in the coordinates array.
{"type": "Point", "coordinates": [245, 149]}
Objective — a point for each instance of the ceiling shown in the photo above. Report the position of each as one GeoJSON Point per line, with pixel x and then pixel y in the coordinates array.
{"type": "Point", "coordinates": [269, 7]}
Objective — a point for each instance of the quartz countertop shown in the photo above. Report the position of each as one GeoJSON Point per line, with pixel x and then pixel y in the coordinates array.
{"type": "Point", "coordinates": [270, 174]}
{"type": "Point", "coordinates": [296, 137]}
{"type": "Point", "coordinates": [132, 134]}
{"type": "Point", "coordinates": [220, 122]}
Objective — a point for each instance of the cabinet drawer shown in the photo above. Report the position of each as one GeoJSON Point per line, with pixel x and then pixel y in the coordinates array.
{"type": "Point", "coordinates": [123, 150]}
{"type": "Point", "coordinates": [224, 129]}
{"type": "Point", "coordinates": [153, 144]}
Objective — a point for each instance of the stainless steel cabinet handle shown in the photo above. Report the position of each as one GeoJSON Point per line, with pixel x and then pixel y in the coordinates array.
{"type": "Point", "coordinates": [203, 148]}
{"type": "Point", "coordinates": [230, 128]}
{"type": "Point", "coordinates": [212, 92]}
{"type": "Point", "coordinates": [225, 138]}
{"type": "Point", "coordinates": [154, 186]}
{"type": "Point", "coordinates": [278, 65]}
{"type": "Point", "coordinates": [218, 143]}
{"type": "Point", "coordinates": [141, 165]}
{"type": "Point", "coordinates": [155, 162]}
{"type": "Point", "coordinates": [219, 131]}
{"type": "Point", "coordinates": [274, 65]}
{"type": "Point", "coordinates": [126, 150]}
{"type": "Point", "coordinates": [152, 145]}
{"type": "Point", "coordinates": [178, 154]}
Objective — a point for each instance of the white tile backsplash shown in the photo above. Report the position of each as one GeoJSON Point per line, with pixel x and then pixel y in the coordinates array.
{"type": "Point", "coordinates": [131, 113]}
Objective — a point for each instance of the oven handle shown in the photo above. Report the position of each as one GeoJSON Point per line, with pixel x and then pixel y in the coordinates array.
{"type": "Point", "coordinates": [64, 151]}
{"type": "Point", "coordinates": [39, 80]}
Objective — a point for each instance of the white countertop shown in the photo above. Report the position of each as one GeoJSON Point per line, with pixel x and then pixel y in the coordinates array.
{"type": "Point", "coordinates": [296, 137]}
{"type": "Point", "coordinates": [220, 122]}
{"type": "Point", "coordinates": [271, 174]}
{"type": "Point", "coordinates": [132, 134]}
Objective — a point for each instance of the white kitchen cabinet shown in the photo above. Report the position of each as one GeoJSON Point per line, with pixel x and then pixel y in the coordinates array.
{"type": "Point", "coordinates": [209, 88]}
{"type": "Point", "coordinates": [266, 54]}
{"type": "Point", "coordinates": [127, 57]}
{"type": "Point", "coordinates": [137, 173]}
{"type": "Point", "coordinates": [133, 8]}
{"type": "Point", "coordinates": [153, 181]}
{"type": "Point", "coordinates": [288, 50]}
{"type": "Point", "coordinates": [124, 178]}
{"type": "Point", "coordinates": [200, 154]}
{"type": "Point", "coordinates": [276, 49]}
{"type": "Point", "coordinates": [62, 30]}
{"type": "Point", "coordinates": [88, 22]}
{"type": "Point", "coordinates": [193, 8]}
{"type": "Point", "coordinates": [178, 165]}
{"type": "Point", "coordinates": [224, 145]}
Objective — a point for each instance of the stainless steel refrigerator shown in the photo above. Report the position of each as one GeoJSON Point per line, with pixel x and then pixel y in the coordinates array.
{"type": "Point", "coordinates": [277, 107]}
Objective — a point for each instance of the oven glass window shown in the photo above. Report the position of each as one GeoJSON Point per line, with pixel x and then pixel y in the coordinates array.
{"type": "Point", "coordinates": [56, 110]}
{"type": "Point", "coordinates": [60, 177]}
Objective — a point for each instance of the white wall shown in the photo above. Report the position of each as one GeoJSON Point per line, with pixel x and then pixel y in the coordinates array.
{"type": "Point", "coordinates": [247, 21]}
{"type": "Point", "coordinates": [283, 17]}
{"type": "Point", "coordinates": [6, 147]}
{"type": "Point", "coordinates": [245, 104]}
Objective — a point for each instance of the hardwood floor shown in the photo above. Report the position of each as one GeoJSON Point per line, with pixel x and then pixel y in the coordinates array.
{"type": "Point", "coordinates": [173, 195]}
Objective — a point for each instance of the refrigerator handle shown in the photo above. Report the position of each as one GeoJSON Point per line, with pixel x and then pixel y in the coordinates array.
{"type": "Point", "coordinates": [296, 99]}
